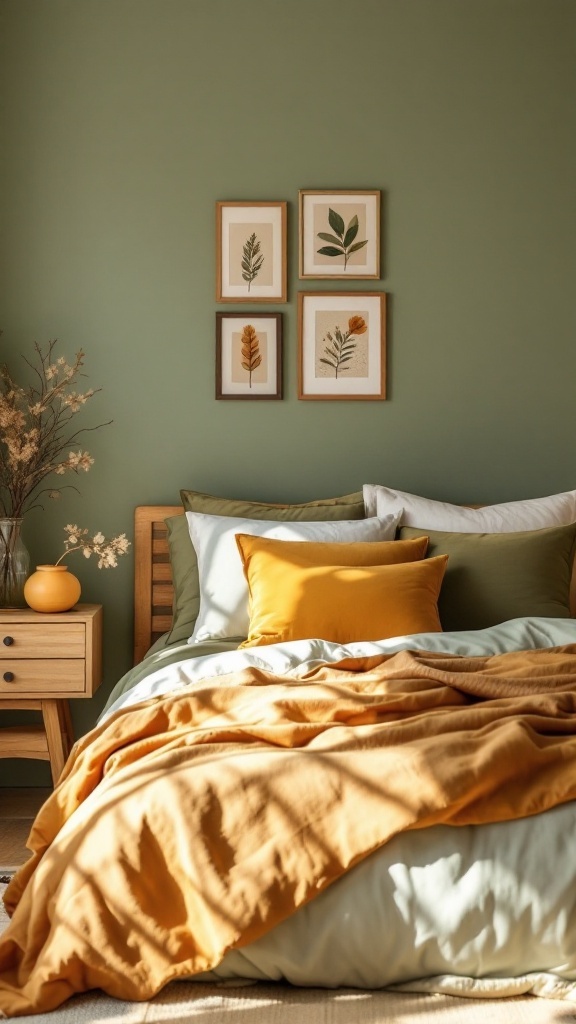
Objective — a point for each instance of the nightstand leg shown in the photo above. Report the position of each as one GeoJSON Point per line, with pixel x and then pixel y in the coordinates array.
{"type": "Point", "coordinates": [56, 724]}
{"type": "Point", "coordinates": [66, 721]}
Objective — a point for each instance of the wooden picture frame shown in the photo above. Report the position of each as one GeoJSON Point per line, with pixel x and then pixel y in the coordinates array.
{"type": "Point", "coordinates": [342, 346]}
{"type": "Point", "coordinates": [249, 356]}
{"type": "Point", "coordinates": [251, 252]}
{"type": "Point", "coordinates": [339, 234]}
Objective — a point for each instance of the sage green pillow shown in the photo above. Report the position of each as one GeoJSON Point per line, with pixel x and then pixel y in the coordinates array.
{"type": "Point", "coordinates": [183, 557]}
{"type": "Point", "coordinates": [492, 577]}
{"type": "Point", "coordinates": [349, 506]}
{"type": "Point", "coordinates": [186, 602]}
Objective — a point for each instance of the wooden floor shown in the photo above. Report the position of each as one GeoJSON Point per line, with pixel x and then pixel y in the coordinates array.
{"type": "Point", "coordinates": [18, 809]}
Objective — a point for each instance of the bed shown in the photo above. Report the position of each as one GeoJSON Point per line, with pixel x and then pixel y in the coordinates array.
{"type": "Point", "coordinates": [325, 810]}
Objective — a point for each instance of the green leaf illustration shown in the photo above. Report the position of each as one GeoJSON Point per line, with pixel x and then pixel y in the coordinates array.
{"type": "Point", "coordinates": [358, 245]}
{"type": "Point", "coordinates": [336, 222]}
{"type": "Point", "coordinates": [342, 346]}
{"type": "Point", "coordinates": [351, 232]}
{"type": "Point", "coordinates": [252, 259]}
{"type": "Point", "coordinates": [329, 238]}
{"type": "Point", "coordinates": [330, 250]}
{"type": "Point", "coordinates": [339, 352]}
{"type": "Point", "coordinates": [343, 244]}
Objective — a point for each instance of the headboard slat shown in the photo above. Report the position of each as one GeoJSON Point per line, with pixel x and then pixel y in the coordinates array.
{"type": "Point", "coordinates": [162, 594]}
{"type": "Point", "coordinates": [161, 572]}
{"type": "Point", "coordinates": [153, 590]}
{"type": "Point", "coordinates": [160, 624]}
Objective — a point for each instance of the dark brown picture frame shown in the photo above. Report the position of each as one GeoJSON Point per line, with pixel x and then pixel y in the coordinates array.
{"type": "Point", "coordinates": [240, 353]}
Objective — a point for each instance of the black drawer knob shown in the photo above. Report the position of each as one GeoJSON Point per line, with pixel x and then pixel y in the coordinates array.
{"type": "Point", "coordinates": [8, 641]}
{"type": "Point", "coordinates": [8, 677]}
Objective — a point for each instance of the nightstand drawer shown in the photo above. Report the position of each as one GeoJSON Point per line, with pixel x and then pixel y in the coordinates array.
{"type": "Point", "coordinates": [41, 640]}
{"type": "Point", "coordinates": [45, 678]}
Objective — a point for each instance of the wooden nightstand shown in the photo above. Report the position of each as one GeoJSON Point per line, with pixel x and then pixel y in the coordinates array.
{"type": "Point", "coordinates": [45, 659]}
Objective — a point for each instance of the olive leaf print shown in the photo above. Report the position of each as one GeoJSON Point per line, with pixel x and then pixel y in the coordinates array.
{"type": "Point", "coordinates": [252, 259]}
{"type": "Point", "coordinates": [342, 345]}
{"type": "Point", "coordinates": [251, 357]}
{"type": "Point", "coordinates": [342, 241]}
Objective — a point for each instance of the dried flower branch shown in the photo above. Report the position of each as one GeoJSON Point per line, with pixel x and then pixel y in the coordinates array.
{"type": "Point", "coordinates": [36, 437]}
{"type": "Point", "coordinates": [107, 551]}
{"type": "Point", "coordinates": [342, 345]}
{"type": "Point", "coordinates": [251, 357]}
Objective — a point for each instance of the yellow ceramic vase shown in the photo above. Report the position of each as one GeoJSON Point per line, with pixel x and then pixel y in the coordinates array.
{"type": "Point", "coordinates": [52, 588]}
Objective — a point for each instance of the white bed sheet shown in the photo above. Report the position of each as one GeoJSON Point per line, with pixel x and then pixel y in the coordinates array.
{"type": "Point", "coordinates": [297, 657]}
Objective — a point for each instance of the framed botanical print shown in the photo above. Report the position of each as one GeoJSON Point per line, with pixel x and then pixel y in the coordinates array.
{"type": "Point", "coordinates": [249, 355]}
{"type": "Point", "coordinates": [251, 252]}
{"type": "Point", "coordinates": [339, 234]}
{"type": "Point", "coordinates": [342, 345]}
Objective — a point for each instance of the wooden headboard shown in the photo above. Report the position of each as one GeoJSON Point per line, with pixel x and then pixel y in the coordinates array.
{"type": "Point", "coordinates": [153, 589]}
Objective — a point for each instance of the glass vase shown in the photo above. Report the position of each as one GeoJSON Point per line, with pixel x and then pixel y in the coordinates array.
{"type": "Point", "coordinates": [14, 564]}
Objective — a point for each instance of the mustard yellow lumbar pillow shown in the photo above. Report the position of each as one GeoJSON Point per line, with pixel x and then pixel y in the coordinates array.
{"type": "Point", "coordinates": [306, 552]}
{"type": "Point", "coordinates": [295, 600]}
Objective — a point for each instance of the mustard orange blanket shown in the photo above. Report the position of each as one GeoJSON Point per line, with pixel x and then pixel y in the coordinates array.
{"type": "Point", "coordinates": [193, 823]}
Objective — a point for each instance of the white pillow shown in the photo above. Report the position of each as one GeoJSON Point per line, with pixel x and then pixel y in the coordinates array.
{"type": "Point", "coordinates": [509, 517]}
{"type": "Point", "coordinates": [223, 588]}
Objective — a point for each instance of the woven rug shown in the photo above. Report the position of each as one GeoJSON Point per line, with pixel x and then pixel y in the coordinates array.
{"type": "Point", "coordinates": [189, 1003]}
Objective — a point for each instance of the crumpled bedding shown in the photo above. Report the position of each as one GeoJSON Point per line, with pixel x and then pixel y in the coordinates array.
{"type": "Point", "coordinates": [487, 911]}
{"type": "Point", "coordinates": [198, 822]}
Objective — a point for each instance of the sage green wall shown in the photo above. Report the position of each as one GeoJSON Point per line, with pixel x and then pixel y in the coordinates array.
{"type": "Point", "coordinates": [123, 121]}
